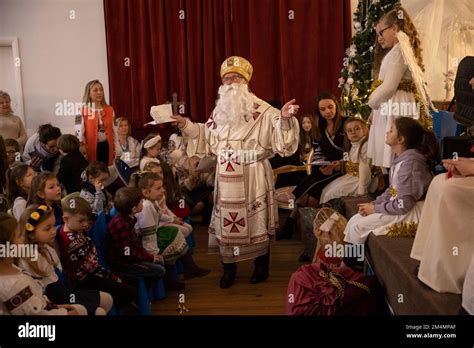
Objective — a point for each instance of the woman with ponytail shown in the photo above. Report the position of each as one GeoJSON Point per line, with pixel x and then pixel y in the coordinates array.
{"type": "Point", "coordinates": [398, 210]}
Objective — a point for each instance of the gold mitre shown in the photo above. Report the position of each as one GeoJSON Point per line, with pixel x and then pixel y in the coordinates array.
{"type": "Point", "coordinates": [239, 65]}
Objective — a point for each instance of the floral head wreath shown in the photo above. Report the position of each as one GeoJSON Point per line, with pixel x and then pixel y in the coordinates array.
{"type": "Point", "coordinates": [35, 217]}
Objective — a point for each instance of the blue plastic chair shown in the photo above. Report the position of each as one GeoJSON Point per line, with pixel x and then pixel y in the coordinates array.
{"type": "Point", "coordinates": [444, 125]}
{"type": "Point", "coordinates": [97, 234]}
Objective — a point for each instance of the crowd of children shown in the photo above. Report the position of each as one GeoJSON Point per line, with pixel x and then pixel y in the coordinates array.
{"type": "Point", "coordinates": [58, 200]}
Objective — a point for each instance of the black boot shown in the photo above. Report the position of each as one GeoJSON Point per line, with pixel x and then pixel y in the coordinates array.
{"type": "Point", "coordinates": [260, 273]}
{"type": "Point", "coordinates": [286, 231]}
{"type": "Point", "coordinates": [192, 270]}
{"type": "Point", "coordinates": [171, 284]}
{"type": "Point", "coordinates": [230, 272]}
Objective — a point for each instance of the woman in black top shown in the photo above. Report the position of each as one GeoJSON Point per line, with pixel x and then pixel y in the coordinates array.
{"type": "Point", "coordinates": [329, 148]}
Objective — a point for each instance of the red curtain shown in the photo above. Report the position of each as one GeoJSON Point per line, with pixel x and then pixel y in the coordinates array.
{"type": "Point", "coordinates": [295, 46]}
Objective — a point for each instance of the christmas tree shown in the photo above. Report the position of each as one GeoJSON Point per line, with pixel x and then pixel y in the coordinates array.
{"type": "Point", "coordinates": [356, 75]}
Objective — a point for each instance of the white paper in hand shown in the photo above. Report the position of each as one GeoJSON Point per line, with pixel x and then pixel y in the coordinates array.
{"type": "Point", "coordinates": [162, 113]}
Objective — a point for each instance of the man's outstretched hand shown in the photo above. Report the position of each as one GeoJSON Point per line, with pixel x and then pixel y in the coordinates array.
{"type": "Point", "coordinates": [180, 121]}
{"type": "Point", "coordinates": [290, 109]}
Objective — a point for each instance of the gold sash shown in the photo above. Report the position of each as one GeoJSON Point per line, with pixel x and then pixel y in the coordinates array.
{"type": "Point", "coordinates": [410, 87]}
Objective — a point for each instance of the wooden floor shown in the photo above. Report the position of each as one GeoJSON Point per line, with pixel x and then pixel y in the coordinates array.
{"type": "Point", "coordinates": [203, 296]}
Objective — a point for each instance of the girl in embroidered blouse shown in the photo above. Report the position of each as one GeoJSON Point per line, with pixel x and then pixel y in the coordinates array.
{"type": "Point", "coordinates": [399, 89]}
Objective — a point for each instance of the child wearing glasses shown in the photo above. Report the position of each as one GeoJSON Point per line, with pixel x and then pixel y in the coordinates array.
{"type": "Point", "coordinates": [399, 88]}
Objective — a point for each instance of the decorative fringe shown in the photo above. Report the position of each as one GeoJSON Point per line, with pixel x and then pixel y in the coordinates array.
{"type": "Point", "coordinates": [403, 229]}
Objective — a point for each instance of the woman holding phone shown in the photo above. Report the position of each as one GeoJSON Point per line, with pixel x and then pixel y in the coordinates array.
{"type": "Point", "coordinates": [41, 149]}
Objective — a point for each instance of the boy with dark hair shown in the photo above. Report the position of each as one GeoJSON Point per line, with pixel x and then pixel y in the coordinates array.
{"type": "Point", "coordinates": [123, 251]}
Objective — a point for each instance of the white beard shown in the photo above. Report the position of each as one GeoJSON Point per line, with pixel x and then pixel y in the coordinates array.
{"type": "Point", "coordinates": [234, 106]}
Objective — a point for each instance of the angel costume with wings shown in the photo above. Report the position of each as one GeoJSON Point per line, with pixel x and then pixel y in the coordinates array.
{"type": "Point", "coordinates": [401, 92]}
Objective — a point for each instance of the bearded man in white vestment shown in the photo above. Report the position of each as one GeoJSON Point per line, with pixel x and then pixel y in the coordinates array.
{"type": "Point", "coordinates": [243, 132]}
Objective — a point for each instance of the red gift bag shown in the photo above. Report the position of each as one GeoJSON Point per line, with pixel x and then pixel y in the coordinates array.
{"type": "Point", "coordinates": [315, 289]}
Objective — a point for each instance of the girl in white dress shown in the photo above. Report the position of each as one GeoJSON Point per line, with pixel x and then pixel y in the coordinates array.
{"type": "Point", "coordinates": [358, 180]}
{"type": "Point", "coordinates": [400, 89]}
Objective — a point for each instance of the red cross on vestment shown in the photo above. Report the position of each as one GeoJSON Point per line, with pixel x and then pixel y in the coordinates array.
{"type": "Point", "coordinates": [229, 158]}
{"type": "Point", "coordinates": [234, 222]}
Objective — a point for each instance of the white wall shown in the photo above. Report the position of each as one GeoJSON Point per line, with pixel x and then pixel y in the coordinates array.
{"type": "Point", "coordinates": [440, 22]}
{"type": "Point", "coordinates": [58, 54]}
{"type": "Point", "coordinates": [7, 75]}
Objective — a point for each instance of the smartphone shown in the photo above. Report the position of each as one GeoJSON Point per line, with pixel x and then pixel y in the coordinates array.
{"type": "Point", "coordinates": [35, 153]}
